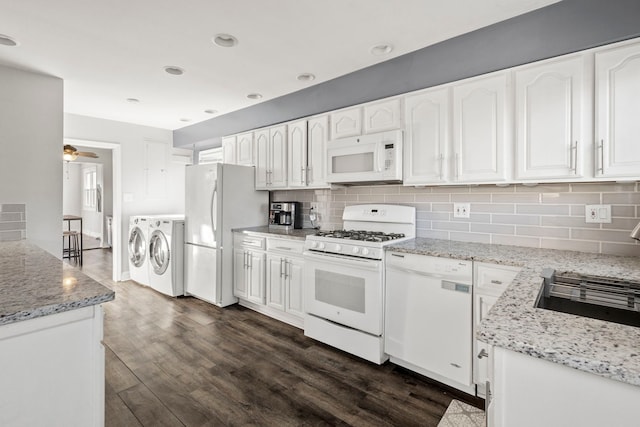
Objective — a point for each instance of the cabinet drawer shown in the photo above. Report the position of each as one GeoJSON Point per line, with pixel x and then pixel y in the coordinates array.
{"type": "Point", "coordinates": [241, 240]}
{"type": "Point", "coordinates": [293, 247]}
{"type": "Point", "coordinates": [492, 278]}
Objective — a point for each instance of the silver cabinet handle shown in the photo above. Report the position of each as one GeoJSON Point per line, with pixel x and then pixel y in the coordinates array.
{"type": "Point", "coordinates": [281, 262]}
{"type": "Point", "coordinates": [496, 282]}
{"type": "Point", "coordinates": [441, 161]}
{"type": "Point", "coordinates": [457, 165]}
{"type": "Point", "coordinates": [302, 175]}
{"type": "Point", "coordinates": [601, 148]}
{"type": "Point", "coordinates": [483, 353]}
{"type": "Point", "coordinates": [249, 260]}
{"type": "Point", "coordinates": [246, 263]}
{"type": "Point", "coordinates": [574, 158]}
{"type": "Point", "coordinates": [286, 269]}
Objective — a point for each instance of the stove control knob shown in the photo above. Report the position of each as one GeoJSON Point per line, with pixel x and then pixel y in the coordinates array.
{"type": "Point", "coordinates": [314, 244]}
{"type": "Point", "coordinates": [365, 251]}
{"type": "Point", "coordinates": [356, 250]}
{"type": "Point", "coordinates": [338, 248]}
{"type": "Point", "coordinates": [321, 245]}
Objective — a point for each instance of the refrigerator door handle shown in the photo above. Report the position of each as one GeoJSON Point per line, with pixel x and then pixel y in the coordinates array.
{"type": "Point", "coordinates": [214, 207]}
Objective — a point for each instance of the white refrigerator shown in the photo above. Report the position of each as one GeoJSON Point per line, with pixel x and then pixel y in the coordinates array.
{"type": "Point", "coordinates": [219, 198]}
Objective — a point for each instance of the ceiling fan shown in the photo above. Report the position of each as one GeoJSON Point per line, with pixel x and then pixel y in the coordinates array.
{"type": "Point", "coordinates": [69, 153]}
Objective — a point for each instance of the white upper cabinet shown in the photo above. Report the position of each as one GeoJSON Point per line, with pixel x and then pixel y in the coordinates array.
{"type": "Point", "coordinates": [617, 138]}
{"type": "Point", "coordinates": [481, 129]}
{"type": "Point", "coordinates": [271, 157]}
{"type": "Point", "coordinates": [549, 119]}
{"type": "Point", "coordinates": [278, 152]}
{"type": "Point", "coordinates": [346, 123]}
{"type": "Point", "coordinates": [426, 137]}
{"type": "Point", "coordinates": [262, 158]}
{"type": "Point", "coordinates": [229, 149]}
{"type": "Point", "coordinates": [244, 149]}
{"type": "Point", "coordinates": [382, 116]}
{"type": "Point", "coordinates": [318, 136]}
{"type": "Point", "coordinates": [297, 153]}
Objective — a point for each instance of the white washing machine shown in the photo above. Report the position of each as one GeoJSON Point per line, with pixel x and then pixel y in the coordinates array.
{"type": "Point", "coordinates": [166, 254]}
{"type": "Point", "coordinates": [138, 249]}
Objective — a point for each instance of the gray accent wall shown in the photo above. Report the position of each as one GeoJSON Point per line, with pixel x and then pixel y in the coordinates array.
{"type": "Point", "coordinates": [564, 27]}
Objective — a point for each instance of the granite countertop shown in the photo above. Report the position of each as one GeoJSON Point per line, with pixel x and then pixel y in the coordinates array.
{"type": "Point", "coordinates": [603, 348]}
{"type": "Point", "coordinates": [34, 283]}
{"type": "Point", "coordinates": [295, 234]}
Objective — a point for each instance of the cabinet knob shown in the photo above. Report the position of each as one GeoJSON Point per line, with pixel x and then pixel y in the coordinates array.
{"type": "Point", "coordinates": [483, 353]}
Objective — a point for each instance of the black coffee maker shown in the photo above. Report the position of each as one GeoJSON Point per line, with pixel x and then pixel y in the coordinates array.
{"type": "Point", "coordinates": [285, 215]}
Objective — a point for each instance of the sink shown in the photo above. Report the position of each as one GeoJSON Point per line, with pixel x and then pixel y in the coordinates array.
{"type": "Point", "coordinates": [605, 298]}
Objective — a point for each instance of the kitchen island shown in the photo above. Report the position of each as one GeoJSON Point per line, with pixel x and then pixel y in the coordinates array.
{"type": "Point", "coordinates": [51, 355]}
{"type": "Point", "coordinates": [600, 360]}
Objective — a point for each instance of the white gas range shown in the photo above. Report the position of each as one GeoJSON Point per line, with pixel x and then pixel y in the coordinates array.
{"type": "Point", "coordinates": [344, 278]}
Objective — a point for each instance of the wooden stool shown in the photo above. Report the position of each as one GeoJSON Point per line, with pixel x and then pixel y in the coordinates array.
{"type": "Point", "coordinates": [72, 251]}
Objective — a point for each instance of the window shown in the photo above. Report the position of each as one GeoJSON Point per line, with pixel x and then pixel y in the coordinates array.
{"type": "Point", "coordinates": [89, 189]}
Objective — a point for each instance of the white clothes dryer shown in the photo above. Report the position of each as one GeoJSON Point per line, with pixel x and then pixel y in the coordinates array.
{"type": "Point", "coordinates": [166, 254]}
{"type": "Point", "coordinates": [138, 249]}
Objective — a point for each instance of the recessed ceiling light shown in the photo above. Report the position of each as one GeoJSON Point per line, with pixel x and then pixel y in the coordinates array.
{"type": "Point", "coordinates": [133, 100]}
{"type": "Point", "coordinates": [254, 96]}
{"type": "Point", "coordinates": [185, 120]}
{"type": "Point", "coordinates": [211, 111]}
{"type": "Point", "coordinates": [175, 71]}
{"type": "Point", "coordinates": [7, 41]}
{"type": "Point", "coordinates": [225, 40]}
{"type": "Point", "coordinates": [381, 49]}
{"type": "Point", "coordinates": [306, 77]}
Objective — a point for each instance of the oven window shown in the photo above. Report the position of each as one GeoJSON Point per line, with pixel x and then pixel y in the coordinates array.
{"type": "Point", "coordinates": [361, 162]}
{"type": "Point", "coordinates": [340, 290]}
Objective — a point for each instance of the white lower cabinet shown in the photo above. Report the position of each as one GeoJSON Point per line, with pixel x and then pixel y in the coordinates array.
{"type": "Point", "coordinates": [284, 276]}
{"type": "Point", "coordinates": [490, 281]}
{"type": "Point", "coordinates": [248, 268]}
{"type": "Point", "coordinates": [55, 365]}
{"type": "Point", "coordinates": [268, 276]}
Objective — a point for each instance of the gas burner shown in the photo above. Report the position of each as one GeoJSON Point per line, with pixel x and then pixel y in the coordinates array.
{"type": "Point", "coordinates": [364, 235]}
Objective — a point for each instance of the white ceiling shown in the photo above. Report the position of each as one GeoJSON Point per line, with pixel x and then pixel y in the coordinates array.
{"type": "Point", "coordinates": [108, 51]}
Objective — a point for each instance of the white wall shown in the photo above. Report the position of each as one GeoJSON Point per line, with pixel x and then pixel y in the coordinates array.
{"type": "Point", "coordinates": [132, 139]}
{"type": "Point", "coordinates": [31, 149]}
{"type": "Point", "coordinates": [71, 189]}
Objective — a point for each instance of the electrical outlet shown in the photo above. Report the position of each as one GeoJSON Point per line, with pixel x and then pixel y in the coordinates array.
{"type": "Point", "coordinates": [600, 214]}
{"type": "Point", "coordinates": [461, 210]}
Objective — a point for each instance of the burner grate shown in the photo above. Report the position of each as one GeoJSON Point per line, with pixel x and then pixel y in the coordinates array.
{"type": "Point", "coordinates": [363, 235]}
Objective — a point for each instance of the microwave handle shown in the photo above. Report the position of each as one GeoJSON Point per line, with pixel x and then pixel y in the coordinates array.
{"type": "Point", "coordinates": [379, 159]}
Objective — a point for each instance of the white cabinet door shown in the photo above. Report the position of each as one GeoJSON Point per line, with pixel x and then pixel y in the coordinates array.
{"type": "Point", "coordinates": [480, 129]}
{"type": "Point", "coordinates": [278, 157]}
{"type": "Point", "coordinates": [262, 159]}
{"type": "Point", "coordinates": [617, 106]}
{"type": "Point", "coordinates": [244, 149]}
{"type": "Point", "coordinates": [318, 136]}
{"type": "Point", "coordinates": [426, 137]}
{"type": "Point", "coordinates": [382, 116]}
{"type": "Point", "coordinates": [297, 141]}
{"type": "Point", "coordinates": [156, 154]}
{"type": "Point", "coordinates": [255, 277]}
{"type": "Point", "coordinates": [549, 109]}
{"type": "Point", "coordinates": [482, 305]}
{"type": "Point", "coordinates": [275, 281]}
{"type": "Point", "coordinates": [293, 291]}
{"type": "Point", "coordinates": [240, 273]}
{"type": "Point", "coordinates": [229, 149]}
{"type": "Point", "coordinates": [346, 123]}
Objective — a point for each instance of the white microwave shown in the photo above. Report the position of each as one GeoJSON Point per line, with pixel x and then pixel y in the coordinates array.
{"type": "Point", "coordinates": [367, 158]}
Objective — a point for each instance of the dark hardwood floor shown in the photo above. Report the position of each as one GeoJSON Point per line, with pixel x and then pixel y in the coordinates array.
{"type": "Point", "coordinates": [183, 362]}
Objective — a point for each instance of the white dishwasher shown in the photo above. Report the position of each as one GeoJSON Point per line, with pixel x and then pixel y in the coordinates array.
{"type": "Point", "coordinates": [428, 317]}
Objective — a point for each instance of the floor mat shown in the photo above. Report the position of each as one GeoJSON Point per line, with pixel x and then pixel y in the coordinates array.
{"type": "Point", "coordinates": [460, 414]}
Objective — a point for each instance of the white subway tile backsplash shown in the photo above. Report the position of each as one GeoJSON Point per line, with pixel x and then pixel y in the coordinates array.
{"type": "Point", "coordinates": [546, 215]}
{"type": "Point", "coordinates": [13, 221]}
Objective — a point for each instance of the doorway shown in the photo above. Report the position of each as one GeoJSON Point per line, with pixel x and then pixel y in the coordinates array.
{"type": "Point", "coordinates": [92, 190]}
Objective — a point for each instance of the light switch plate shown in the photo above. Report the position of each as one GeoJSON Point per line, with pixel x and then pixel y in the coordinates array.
{"type": "Point", "coordinates": [461, 210]}
{"type": "Point", "coordinates": [600, 214]}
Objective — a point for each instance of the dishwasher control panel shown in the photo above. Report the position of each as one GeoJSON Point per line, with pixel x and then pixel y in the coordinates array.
{"type": "Point", "coordinates": [457, 270]}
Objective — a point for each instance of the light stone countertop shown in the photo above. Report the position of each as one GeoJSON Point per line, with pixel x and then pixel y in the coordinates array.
{"type": "Point", "coordinates": [295, 234]}
{"type": "Point", "coordinates": [603, 348]}
{"type": "Point", "coordinates": [34, 283]}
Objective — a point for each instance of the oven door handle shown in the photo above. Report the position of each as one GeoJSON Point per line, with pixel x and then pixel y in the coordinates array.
{"type": "Point", "coordinates": [341, 260]}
